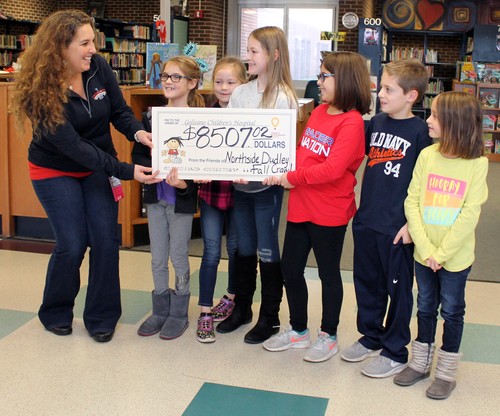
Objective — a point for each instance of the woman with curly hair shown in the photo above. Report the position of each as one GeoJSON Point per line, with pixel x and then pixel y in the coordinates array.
{"type": "Point", "coordinates": [70, 95]}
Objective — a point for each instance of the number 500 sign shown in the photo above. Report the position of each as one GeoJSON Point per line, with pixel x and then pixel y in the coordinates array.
{"type": "Point", "coordinates": [223, 144]}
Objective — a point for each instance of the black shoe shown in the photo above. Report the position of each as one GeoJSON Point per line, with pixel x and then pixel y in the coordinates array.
{"type": "Point", "coordinates": [261, 332]}
{"type": "Point", "coordinates": [234, 321]}
{"type": "Point", "coordinates": [103, 336]}
{"type": "Point", "coordinates": [61, 330]}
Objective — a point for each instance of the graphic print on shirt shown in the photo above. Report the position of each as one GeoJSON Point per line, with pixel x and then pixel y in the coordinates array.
{"type": "Point", "coordinates": [317, 142]}
{"type": "Point", "coordinates": [99, 94]}
{"type": "Point", "coordinates": [386, 147]}
{"type": "Point", "coordinates": [443, 199]}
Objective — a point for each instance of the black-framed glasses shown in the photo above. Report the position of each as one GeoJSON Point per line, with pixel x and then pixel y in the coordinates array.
{"type": "Point", "coordinates": [174, 77]}
{"type": "Point", "coordinates": [323, 75]}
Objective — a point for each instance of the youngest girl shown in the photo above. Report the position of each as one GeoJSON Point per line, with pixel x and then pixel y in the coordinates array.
{"type": "Point", "coordinates": [216, 207]}
{"type": "Point", "coordinates": [443, 206]}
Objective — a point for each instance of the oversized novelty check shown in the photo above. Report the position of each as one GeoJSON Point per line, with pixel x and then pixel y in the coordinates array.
{"type": "Point", "coordinates": [223, 144]}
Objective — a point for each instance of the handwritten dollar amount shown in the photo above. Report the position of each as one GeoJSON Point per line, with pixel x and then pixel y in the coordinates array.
{"type": "Point", "coordinates": [225, 136]}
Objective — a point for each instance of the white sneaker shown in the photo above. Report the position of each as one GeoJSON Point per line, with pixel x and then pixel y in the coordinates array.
{"type": "Point", "coordinates": [323, 349]}
{"type": "Point", "coordinates": [357, 352]}
{"type": "Point", "coordinates": [380, 367]}
{"type": "Point", "coordinates": [287, 340]}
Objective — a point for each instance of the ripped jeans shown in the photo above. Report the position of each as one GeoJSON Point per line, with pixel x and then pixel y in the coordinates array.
{"type": "Point", "coordinates": [257, 217]}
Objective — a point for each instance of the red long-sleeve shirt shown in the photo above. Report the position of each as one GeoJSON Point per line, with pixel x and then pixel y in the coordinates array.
{"type": "Point", "coordinates": [329, 153]}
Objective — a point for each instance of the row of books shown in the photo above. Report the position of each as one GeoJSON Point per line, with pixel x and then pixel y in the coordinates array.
{"type": "Point", "coordinates": [427, 101]}
{"type": "Point", "coordinates": [435, 87]}
{"type": "Point", "coordinates": [126, 45]}
{"type": "Point", "coordinates": [407, 53]}
{"type": "Point", "coordinates": [491, 122]}
{"type": "Point", "coordinates": [121, 60]}
{"type": "Point", "coordinates": [130, 76]}
{"type": "Point", "coordinates": [5, 58]}
{"type": "Point", "coordinates": [414, 53]}
{"type": "Point", "coordinates": [478, 72]}
{"type": "Point", "coordinates": [15, 41]}
{"type": "Point", "coordinates": [138, 32]}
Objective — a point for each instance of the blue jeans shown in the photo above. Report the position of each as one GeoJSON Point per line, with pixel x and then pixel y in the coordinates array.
{"type": "Point", "coordinates": [445, 288]}
{"type": "Point", "coordinates": [82, 213]}
{"type": "Point", "coordinates": [212, 225]}
{"type": "Point", "coordinates": [257, 217]}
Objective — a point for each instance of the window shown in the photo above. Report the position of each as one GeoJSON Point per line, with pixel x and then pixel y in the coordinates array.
{"type": "Point", "coordinates": [302, 22]}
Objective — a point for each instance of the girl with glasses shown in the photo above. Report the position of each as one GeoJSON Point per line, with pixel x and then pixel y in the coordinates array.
{"type": "Point", "coordinates": [170, 207]}
{"type": "Point", "coordinates": [322, 201]}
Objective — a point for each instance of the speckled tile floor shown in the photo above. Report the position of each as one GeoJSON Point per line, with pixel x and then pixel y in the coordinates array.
{"type": "Point", "coordinates": [42, 374]}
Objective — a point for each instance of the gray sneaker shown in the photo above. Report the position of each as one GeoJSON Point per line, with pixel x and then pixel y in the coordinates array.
{"type": "Point", "coordinates": [323, 349]}
{"type": "Point", "coordinates": [357, 352]}
{"type": "Point", "coordinates": [287, 340]}
{"type": "Point", "coordinates": [380, 367]}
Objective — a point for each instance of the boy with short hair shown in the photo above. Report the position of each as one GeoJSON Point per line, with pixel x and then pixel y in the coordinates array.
{"type": "Point", "coordinates": [383, 249]}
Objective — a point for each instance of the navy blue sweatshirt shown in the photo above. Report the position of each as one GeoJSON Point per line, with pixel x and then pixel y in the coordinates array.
{"type": "Point", "coordinates": [83, 143]}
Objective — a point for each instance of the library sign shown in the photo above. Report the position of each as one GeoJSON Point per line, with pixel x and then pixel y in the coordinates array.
{"type": "Point", "coordinates": [223, 144]}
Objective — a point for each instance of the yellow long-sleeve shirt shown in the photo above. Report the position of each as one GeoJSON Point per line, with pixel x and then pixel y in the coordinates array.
{"type": "Point", "coordinates": [443, 207]}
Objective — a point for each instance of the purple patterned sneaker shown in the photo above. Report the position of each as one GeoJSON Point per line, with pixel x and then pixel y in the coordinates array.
{"type": "Point", "coordinates": [223, 309]}
{"type": "Point", "coordinates": [205, 332]}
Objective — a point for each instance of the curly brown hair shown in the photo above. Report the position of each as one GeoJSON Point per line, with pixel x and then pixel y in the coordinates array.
{"type": "Point", "coordinates": [40, 88]}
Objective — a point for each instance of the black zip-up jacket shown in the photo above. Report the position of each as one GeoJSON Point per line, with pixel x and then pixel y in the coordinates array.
{"type": "Point", "coordinates": [186, 200]}
{"type": "Point", "coordinates": [83, 143]}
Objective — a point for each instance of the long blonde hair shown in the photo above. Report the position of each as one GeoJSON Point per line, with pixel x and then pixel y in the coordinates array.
{"type": "Point", "coordinates": [273, 39]}
{"type": "Point", "coordinates": [40, 88]}
{"type": "Point", "coordinates": [190, 69]}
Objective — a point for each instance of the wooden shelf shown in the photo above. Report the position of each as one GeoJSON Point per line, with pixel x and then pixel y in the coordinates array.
{"type": "Point", "coordinates": [493, 157]}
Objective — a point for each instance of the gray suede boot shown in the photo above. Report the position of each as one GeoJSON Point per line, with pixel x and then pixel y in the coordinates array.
{"type": "Point", "coordinates": [161, 309]}
{"type": "Point", "coordinates": [446, 370]}
{"type": "Point", "coordinates": [419, 366]}
{"type": "Point", "coordinates": [177, 322]}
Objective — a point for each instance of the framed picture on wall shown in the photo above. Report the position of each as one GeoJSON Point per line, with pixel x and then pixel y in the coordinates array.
{"type": "Point", "coordinates": [95, 8]}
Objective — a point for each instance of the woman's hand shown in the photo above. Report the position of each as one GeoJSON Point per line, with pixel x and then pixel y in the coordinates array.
{"type": "Point", "coordinates": [241, 181]}
{"type": "Point", "coordinates": [173, 179]}
{"type": "Point", "coordinates": [145, 138]}
{"type": "Point", "coordinates": [143, 174]}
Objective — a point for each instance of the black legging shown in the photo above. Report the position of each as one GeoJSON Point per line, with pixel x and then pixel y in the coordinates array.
{"type": "Point", "coordinates": [327, 243]}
